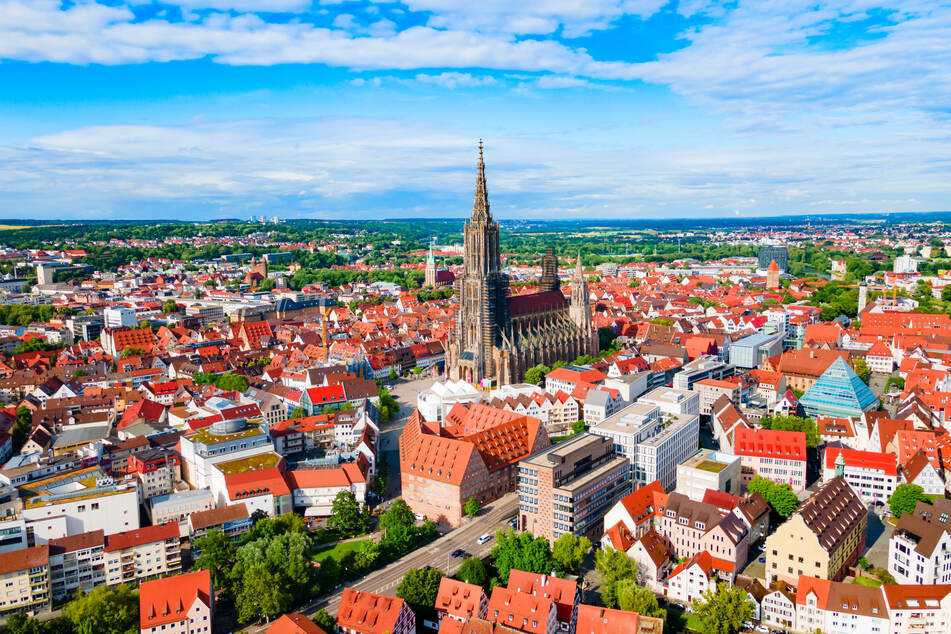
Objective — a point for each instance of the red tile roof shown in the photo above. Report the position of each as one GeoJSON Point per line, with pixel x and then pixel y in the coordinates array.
{"type": "Point", "coordinates": [294, 624]}
{"type": "Point", "coordinates": [885, 462]}
{"type": "Point", "coordinates": [770, 443]}
{"type": "Point", "coordinates": [367, 612]}
{"type": "Point", "coordinates": [139, 536]}
{"type": "Point", "coordinates": [168, 600]}
{"type": "Point", "coordinates": [254, 483]}
{"type": "Point", "coordinates": [596, 620]}
{"type": "Point", "coordinates": [458, 598]}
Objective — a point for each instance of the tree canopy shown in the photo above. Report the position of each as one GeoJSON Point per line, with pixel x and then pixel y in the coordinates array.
{"type": "Point", "coordinates": [105, 610]}
{"type": "Point", "coordinates": [905, 499]}
{"type": "Point", "coordinates": [780, 497]}
{"type": "Point", "coordinates": [521, 551]}
{"type": "Point", "coordinates": [569, 551]}
{"type": "Point", "coordinates": [723, 609]}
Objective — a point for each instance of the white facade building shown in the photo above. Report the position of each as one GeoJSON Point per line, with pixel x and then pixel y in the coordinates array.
{"type": "Point", "coordinates": [654, 442]}
{"type": "Point", "coordinates": [119, 317]}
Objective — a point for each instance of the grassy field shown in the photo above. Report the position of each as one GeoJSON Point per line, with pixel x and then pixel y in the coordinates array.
{"type": "Point", "coordinates": [11, 227]}
{"type": "Point", "coordinates": [339, 550]}
{"type": "Point", "coordinates": [865, 581]}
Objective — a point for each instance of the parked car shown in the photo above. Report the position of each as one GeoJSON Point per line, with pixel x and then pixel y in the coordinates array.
{"type": "Point", "coordinates": [762, 628]}
{"type": "Point", "coordinates": [419, 517]}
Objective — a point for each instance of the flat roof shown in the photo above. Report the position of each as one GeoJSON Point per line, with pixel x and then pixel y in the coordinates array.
{"type": "Point", "coordinates": [206, 437]}
{"type": "Point", "coordinates": [256, 462]}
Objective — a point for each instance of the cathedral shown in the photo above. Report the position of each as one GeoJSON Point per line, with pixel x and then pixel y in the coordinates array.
{"type": "Point", "coordinates": [498, 337]}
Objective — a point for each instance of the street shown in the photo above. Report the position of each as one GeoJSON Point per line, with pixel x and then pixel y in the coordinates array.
{"type": "Point", "coordinates": [437, 554]}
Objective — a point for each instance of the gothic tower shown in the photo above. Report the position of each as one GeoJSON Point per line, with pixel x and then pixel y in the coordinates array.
{"type": "Point", "coordinates": [549, 281]}
{"type": "Point", "coordinates": [481, 290]}
{"type": "Point", "coordinates": [580, 310]}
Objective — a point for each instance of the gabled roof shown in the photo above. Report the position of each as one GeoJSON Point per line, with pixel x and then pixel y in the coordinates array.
{"type": "Point", "coordinates": [367, 612]}
{"type": "Point", "coordinates": [770, 443]}
{"type": "Point", "coordinates": [458, 598]}
{"type": "Point", "coordinates": [168, 600]}
{"type": "Point", "coordinates": [294, 624]}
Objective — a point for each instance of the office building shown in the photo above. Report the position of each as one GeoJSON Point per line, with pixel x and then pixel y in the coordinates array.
{"type": "Point", "coordinates": [569, 487]}
{"type": "Point", "coordinates": [654, 442]}
{"type": "Point", "coordinates": [773, 252]}
{"type": "Point", "coordinates": [116, 317]}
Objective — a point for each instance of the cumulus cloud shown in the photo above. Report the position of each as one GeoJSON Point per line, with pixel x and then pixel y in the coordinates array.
{"type": "Point", "coordinates": [332, 166]}
{"type": "Point", "coordinates": [454, 80]}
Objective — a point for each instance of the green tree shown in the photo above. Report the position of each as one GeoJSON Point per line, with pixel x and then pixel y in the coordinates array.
{"type": "Point", "coordinates": [606, 339]}
{"type": "Point", "coordinates": [578, 427]}
{"type": "Point", "coordinates": [898, 381]}
{"type": "Point", "coordinates": [419, 588]}
{"type": "Point", "coordinates": [346, 517]}
{"type": "Point", "coordinates": [634, 597]}
{"type": "Point", "coordinates": [793, 423]}
{"type": "Point", "coordinates": [399, 527]}
{"type": "Point", "coordinates": [105, 610]}
{"type": "Point", "coordinates": [393, 375]}
{"type": "Point", "coordinates": [379, 481]}
{"type": "Point", "coordinates": [536, 375]}
{"type": "Point", "coordinates": [298, 412]}
{"type": "Point", "coordinates": [521, 551]}
{"type": "Point", "coordinates": [779, 496]}
{"type": "Point", "coordinates": [230, 381]}
{"type": "Point", "coordinates": [324, 621]}
{"type": "Point", "coordinates": [170, 306]}
{"type": "Point", "coordinates": [266, 285]}
{"type": "Point", "coordinates": [21, 428]}
{"type": "Point", "coordinates": [261, 594]}
{"type": "Point", "coordinates": [946, 293]}
{"type": "Point", "coordinates": [905, 499]}
{"type": "Point", "coordinates": [569, 551]}
{"type": "Point", "coordinates": [131, 352]}
{"type": "Point", "coordinates": [723, 609]}
{"type": "Point", "coordinates": [472, 507]}
{"type": "Point", "coordinates": [614, 566]}
{"type": "Point", "coordinates": [473, 571]}
{"type": "Point", "coordinates": [216, 555]}
{"type": "Point", "coordinates": [861, 369]}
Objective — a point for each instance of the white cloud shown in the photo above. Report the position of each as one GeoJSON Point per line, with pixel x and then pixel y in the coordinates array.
{"type": "Point", "coordinates": [258, 6]}
{"type": "Point", "coordinates": [532, 16]}
{"type": "Point", "coordinates": [453, 80]}
{"type": "Point", "coordinates": [330, 165]}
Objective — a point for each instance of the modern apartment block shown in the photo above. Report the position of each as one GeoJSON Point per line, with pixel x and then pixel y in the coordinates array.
{"type": "Point", "coordinates": [25, 575]}
{"type": "Point", "coordinates": [77, 562]}
{"type": "Point", "coordinates": [569, 487]}
{"type": "Point", "coordinates": [144, 553]}
{"type": "Point", "coordinates": [653, 441]}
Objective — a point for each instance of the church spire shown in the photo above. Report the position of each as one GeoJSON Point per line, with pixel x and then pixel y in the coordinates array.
{"type": "Point", "coordinates": [480, 207]}
{"type": "Point", "coordinates": [579, 270]}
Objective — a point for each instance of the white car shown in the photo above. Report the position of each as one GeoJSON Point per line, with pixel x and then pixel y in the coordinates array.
{"type": "Point", "coordinates": [762, 628]}
{"type": "Point", "coordinates": [419, 517]}
{"type": "Point", "coordinates": [484, 538]}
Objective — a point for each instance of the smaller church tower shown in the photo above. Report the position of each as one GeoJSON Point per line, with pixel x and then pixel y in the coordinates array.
{"type": "Point", "coordinates": [772, 275]}
{"type": "Point", "coordinates": [430, 279]}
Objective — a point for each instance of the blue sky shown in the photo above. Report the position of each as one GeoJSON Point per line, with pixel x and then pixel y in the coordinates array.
{"type": "Point", "coordinates": [196, 109]}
